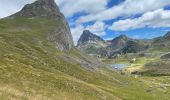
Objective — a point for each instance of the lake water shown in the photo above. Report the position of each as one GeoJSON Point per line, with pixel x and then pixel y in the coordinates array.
{"type": "Point", "coordinates": [119, 66]}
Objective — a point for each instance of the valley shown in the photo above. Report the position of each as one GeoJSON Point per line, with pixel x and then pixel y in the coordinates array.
{"type": "Point", "coordinates": [150, 66]}
{"type": "Point", "coordinates": [39, 61]}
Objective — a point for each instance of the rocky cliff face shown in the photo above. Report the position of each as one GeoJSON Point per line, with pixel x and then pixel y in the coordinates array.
{"type": "Point", "coordinates": [47, 9]}
{"type": "Point", "coordinates": [88, 37]}
{"type": "Point", "coordinates": [40, 8]}
{"type": "Point", "coordinates": [89, 42]}
{"type": "Point", "coordinates": [133, 46]}
{"type": "Point", "coordinates": [118, 43]}
{"type": "Point", "coordinates": [161, 43]}
{"type": "Point", "coordinates": [167, 36]}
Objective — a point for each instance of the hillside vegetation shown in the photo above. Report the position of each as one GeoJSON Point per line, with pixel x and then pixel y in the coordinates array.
{"type": "Point", "coordinates": [32, 68]}
{"type": "Point", "coordinates": [38, 61]}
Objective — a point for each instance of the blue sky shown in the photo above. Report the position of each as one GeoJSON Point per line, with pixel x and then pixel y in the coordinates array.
{"type": "Point", "coordinates": [115, 25]}
{"type": "Point", "coordinates": [141, 19]}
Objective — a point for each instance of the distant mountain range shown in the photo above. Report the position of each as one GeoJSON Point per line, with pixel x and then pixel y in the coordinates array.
{"type": "Point", "coordinates": [95, 45]}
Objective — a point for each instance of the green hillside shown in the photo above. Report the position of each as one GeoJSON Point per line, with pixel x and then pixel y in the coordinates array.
{"type": "Point", "coordinates": [32, 68]}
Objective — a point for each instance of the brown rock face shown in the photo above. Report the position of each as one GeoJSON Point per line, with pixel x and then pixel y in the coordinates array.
{"type": "Point", "coordinates": [40, 8]}
{"type": "Point", "coordinates": [47, 9]}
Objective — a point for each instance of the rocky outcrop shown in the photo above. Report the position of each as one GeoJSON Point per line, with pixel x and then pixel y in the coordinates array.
{"type": "Point", "coordinates": [161, 43]}
{"type": "Point", "coordinates": [88, 37]}
{"type": "Point", "coordinates": [118, 43]}
{"type": "Point", "coordinates": [166, 56]}
{"type": "Point", "coordinates": [167, 36]}
{"type": "Point", "coordinates": [47, 9]}
{"type": "Point", "coordinates": [122, 45]}
{"type": "Point", "coordinates": [133, 46]}
{"type": "Point", "coordinates": [40, 8]}
{"type": "Point", "coordinates": [89, 42]}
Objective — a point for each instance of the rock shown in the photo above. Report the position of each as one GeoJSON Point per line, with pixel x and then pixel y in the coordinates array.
{"type": "Point", "coordinates": [88, 37]}
{"type": "Point", "coordinates": [133, 46]}
{"type": "Point", "coordinates": [167, 36]}
{"type": "Point", "coordinates": [161, 42]}
{"type": "Point", "coordinates": [118, 43]}
{"type": "Point", "coordinates": [135, 72]}
{"type": "Point", "coordinates": [40, 8]}
{"type": "Point", "coordinates": [133, 60]}
{"type": "Point", "coordinates": [91, 43]}
{"type": "Point", "coordinates": [47, 9]}
{"type": "Point", "coordinates": [166, 56]}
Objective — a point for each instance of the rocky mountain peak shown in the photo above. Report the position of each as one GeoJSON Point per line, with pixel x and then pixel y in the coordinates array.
{"type": "Point", "coordinates": [87, 32]}
{"type": "Point", "coordinates": [121, 37]}
{"type": "Point", "coordinates": [40, 8]}
{"type": "Point", "coordinates": [167, 35]}
{"type": "Point", "coordinates": [47, 10]}
{"type": "Point", "coordinates": [88, 36]}
{"type": "Point", "coordinates": [119, 42]}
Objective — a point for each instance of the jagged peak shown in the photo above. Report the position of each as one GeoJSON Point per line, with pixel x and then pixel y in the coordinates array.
{"type": "Point", "coordinates": [86, 32]}
{"type": "Point", "coordinates": [39, 8]}
{"type": "Point", "coordinates": [167, 34]}
{"type": "Point", "coordinates": [60, 35]}
{"type": "Point", "coordinates": [88, 36]}
{"type": "Point", "coordinates": [122, 36]}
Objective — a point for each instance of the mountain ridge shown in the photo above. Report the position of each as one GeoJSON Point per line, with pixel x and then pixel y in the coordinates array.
{"type": "Point", "coordinates": [119, 45]}
{"type": "Point", "coordinates": [37, 62]}
{"type": "Point", "coordinates": [88, 37]}
{"type": "Point", "coordinates": [47, 9]}
{"type": "Point", "coordinates": [39, 8]}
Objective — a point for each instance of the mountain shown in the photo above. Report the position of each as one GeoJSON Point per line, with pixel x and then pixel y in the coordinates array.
{"type": "Point", "coordinates": [119, 42]}
{"type": "Point", "coordinates": [167, 36]}
{"type": "Point", "coordinates": [90, 43]}
{"type": "Point", "coordinates": [60, 35]}
{"type": "Point", "coordinates": [38, 61]}
{"type": "Point", "coordinates": [123, 45]}
{"type": "Point", "coordinates": [134, 47]}
{"type": "Point", "coordinates": [88, 37]}
{"type": "Point", "coordinates": [40, 8]}
{"type": "Point", "coordinates": [161, 43]}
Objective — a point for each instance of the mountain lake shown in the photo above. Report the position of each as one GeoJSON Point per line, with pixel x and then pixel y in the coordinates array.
{"type": "Point", "coordinates": [119, 66]}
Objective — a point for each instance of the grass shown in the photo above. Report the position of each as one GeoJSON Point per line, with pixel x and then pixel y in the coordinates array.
{"type": "Point", "coordinates": [153, 72]}
{"type": "Point", "coordinates": [31, 68]}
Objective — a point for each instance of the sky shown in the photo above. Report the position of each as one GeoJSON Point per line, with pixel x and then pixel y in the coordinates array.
{"type": "Point", "coordinates": [139, 19]}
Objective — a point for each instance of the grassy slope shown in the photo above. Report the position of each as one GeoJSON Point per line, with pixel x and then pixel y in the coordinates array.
{"type": "Point", "coordinates": [154, 71]}
{"type": "Point", "coordinates": [32, 68]}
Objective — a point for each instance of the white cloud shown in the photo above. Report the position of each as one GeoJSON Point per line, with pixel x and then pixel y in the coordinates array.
{"type": "Point", "coordinates": [97, 11]}
{"type": "Point", "coordinates": [68, 7]}
{"type": "Point", "coordinates": [127, 8]}
{"type": "Point", "coordinates": [155, 19]}
{"type": "Point", "coordinates": [97, 28]}
{"type": "Point", "coordinates": [8, 7]}
{"type": "Point", "coordinates": [76, 32]}
{"type": "Point", "coordinates": [71, 7]}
